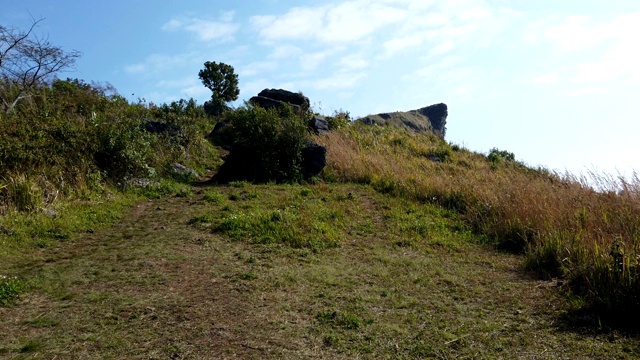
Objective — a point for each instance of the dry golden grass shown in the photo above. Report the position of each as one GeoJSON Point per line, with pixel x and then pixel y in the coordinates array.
{"type": "Point", "coordinates": [565, 227]}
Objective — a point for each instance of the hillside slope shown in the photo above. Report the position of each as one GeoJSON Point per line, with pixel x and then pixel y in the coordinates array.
{"type": "Point", "coordinates": [336, 271]}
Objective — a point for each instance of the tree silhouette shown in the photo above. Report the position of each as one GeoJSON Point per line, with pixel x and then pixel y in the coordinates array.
{"type": "Point", "coordinates": [221, 79]}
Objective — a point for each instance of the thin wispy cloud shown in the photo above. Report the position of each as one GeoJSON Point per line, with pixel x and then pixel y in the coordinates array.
{"type": "Point", "coordinates": [159, 63]}
{"type": "Point", "coordinates": [221, 30]}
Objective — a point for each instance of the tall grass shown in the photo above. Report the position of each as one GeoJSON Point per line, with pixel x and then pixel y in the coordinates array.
{"type": "Point", "coordinates": [563, 225]}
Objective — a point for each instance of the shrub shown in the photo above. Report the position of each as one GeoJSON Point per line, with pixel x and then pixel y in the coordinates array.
{"type": "Point", "coordinates": [10, 289]}
{"type": "Point", "coordinates": [123, 148]}
{"type": "Point", "coordinates": [496, 156]}
{"type": "Point", "coordinates": [266, 144]}
{"type": "Point", "coordinates": [339, 120]}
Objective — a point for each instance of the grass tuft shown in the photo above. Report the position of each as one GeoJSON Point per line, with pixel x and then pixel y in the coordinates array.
{"type": "Point", "coordinates": [10, 289]}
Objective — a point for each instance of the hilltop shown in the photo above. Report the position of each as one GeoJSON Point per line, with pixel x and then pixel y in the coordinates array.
{"type": "Point", "coordinates": [115, 242]}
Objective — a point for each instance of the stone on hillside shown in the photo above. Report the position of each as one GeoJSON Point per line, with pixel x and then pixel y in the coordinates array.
{"type": "Point", "coordinates": [269, 103]}
{"type": "Point", "coordinates": [314, 159]}
{"type": "Point", "coordinates": [287, 97]}
{"type": "Point", "coordinates": [182, 170]}
{"type": "Point", "coordinates": [160, 128]}
{"type": "Point", "coordinates": [319, 125]}
{"type": "Point", "coordinates": [221, 135]}
{"type": "Point", "coordinates": [437, 115]}
{"type": "Point", "coordinates": [430, 119]}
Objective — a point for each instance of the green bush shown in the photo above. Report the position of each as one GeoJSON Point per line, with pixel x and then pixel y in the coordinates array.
{"type": "Point", "coordinates": [123, 148]}
{"type": "Point", "coordinates": [497, 156]}
{"type": "Point", "coordinates": [71, 138]}
{"type": "Point", "coordinates": [339, 120]}
{"type": "Point", "coordinates": [267, 144]}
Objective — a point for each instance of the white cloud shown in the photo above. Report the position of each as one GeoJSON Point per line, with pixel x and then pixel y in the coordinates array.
{"type": "Point", "coordinates": [285, 51]}
{"type": "Point", "coordinates": [338, 81]}
{"type": "Point", "coordinates": [546, 79]}
{"type": "Point", "coordinates": [339, 23]}
{"type": "Point", "coordinates": [298, 23]}
{"type": "Point", "coordinates": [610, 45]}
{"type": "Point", "coordinates": [353, 62]}
{"type": "Point", "coordinates": [135, 69]}
{"type": "Point", "coordinates": [590, 90]}
{"type": "Point", "coordinates": [156, 63]}
{"type": "Point", "coordinates": [398, 44]}
{"type": "Point", "coordinates": [257, 67]}
{"type": "Point", "coordinates": [223, 30]}
{"type": "Point", "coordinates": [355, 20]}
{"type": "Point", "coordinates": [254, 87]}
{"type": "Point", "coordinates": [310, 62]}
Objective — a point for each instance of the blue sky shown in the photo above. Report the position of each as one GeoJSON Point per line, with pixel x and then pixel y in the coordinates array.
{"type": "Point", "coordinates": [555, 82]}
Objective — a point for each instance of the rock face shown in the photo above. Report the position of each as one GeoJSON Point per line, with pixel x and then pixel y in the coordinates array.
{"type": "Point", "coordinates": [221, 135]}
{"type": "Point", "coordinates": [183, 171]}
{"type": "Point", "coordinates": [319, 125]}
{"type": "Point", "coordinates": [437, 115]}
{"type": "Point", "coordinates": [431, 119]}
{"type": "Point", "coordinates": [157, 127]}
{"type": "Point", "coordinates": [314, 159]}
{"type": "Point", "coordinates": [270, 98]}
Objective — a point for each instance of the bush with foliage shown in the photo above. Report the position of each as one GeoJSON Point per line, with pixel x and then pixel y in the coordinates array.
{"type": "Point", "coordinates": [70, 137]}
{"type": "Point", "coordinates": [497, 156]}
{"type": "Point", "coordinates": [266, 144]}
{"type": "Point", "coordinates": [339, 119]}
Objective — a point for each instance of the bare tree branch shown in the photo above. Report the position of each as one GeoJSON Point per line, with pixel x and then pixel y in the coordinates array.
{"type": "Point", "coordinates": [28, 61]}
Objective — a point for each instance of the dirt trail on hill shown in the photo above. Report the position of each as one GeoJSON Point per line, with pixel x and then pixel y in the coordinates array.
{"type": "Point", "coordinates": [154, 287]}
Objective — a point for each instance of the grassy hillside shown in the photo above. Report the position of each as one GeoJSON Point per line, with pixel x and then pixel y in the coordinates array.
{"type": "Point", "coordinates": [563, 227]}
{"type": "Point", "coordinates": [337, 271]}
{"type": "Point", "coordinates": [404, 247]}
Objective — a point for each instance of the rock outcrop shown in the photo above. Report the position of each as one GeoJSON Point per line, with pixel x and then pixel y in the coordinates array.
{"type": "Point", "coordinates": [314, 159]}
{"type": "Point", "coordinates": [431, 119]}
{"type": "Point", "coordinates": [269, 98]}
{"type": "Point", "coordinates": [175, 132]}
{"type": "Point", "coordinates": [319, 125]}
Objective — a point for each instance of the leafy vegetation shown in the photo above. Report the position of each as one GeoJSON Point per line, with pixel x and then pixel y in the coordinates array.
{"type": "Point", "coordinates": [74, 137]}
{"type": "Point", "coordinates": [267, 143]}
{"type": "Point", "coordinates": [10, 288]}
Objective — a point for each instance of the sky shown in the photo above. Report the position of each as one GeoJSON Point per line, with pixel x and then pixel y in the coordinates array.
{"type": "Point", "coordinates": [556, 82]}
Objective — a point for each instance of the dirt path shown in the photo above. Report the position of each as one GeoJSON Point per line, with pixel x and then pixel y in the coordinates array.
{"type": "Point", "coordinates": [154, 287]}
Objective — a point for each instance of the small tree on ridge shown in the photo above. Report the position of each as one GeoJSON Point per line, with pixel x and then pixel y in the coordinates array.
{"type": "Point", "coordinates": [221, 79]}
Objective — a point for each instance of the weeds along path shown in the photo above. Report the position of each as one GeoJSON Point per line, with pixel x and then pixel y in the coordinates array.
{"type": "Point", "coordinates": [279, 271]}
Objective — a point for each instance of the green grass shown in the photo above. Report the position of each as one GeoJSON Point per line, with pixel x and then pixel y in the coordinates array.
{"type": "Point", "coordinates": [564, 227]}
{"type": "Point", "coordinates": [10, 289]}
{"type": "Point", "coordinates": [402, 279]}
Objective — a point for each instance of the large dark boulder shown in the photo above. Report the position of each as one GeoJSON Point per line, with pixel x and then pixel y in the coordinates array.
{"type": "Point", "coordinates": [437, 115]}
{"type": "Point", "coordinates": [221, 135]}
{"type": "Point", "coordinates": [269, 103]}
{"type": "Point", "coordinates": [287, 97]}
{"type": "Point", "coordinates": [319, 125]}
{"type": "Point", "coordinates": [314, 159]}
{"type": "Point", "coordinates": [175, 132]}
